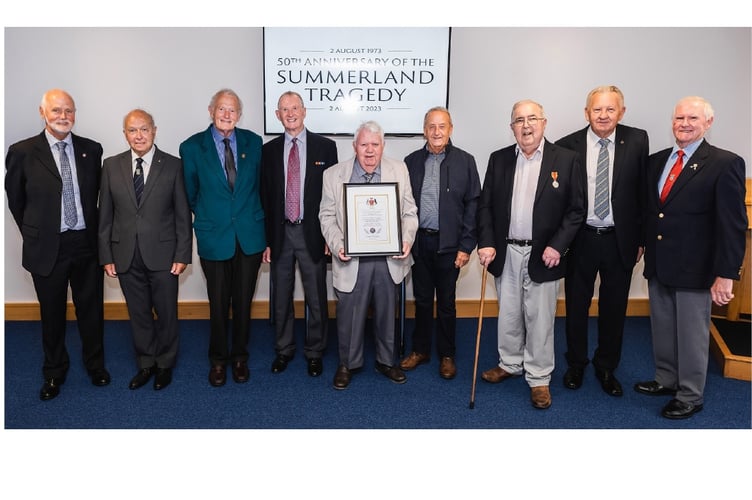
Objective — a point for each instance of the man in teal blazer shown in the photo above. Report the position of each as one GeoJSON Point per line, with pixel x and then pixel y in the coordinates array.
{"type": "Point", "coordinates": [222, 179]}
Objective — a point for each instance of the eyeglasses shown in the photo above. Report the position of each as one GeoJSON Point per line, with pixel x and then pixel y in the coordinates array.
{"type": "Point", "coordinates": [531, 120]}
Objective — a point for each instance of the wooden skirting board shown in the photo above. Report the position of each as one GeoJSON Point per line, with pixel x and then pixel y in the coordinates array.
{"type": "Point", "coordinates": [29, 311]}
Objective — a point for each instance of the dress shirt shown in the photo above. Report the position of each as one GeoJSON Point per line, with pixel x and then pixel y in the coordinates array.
{"type": "Point", "coordinates": [80, 224]}
{"type": "Point", "coordinates": [593, 148]}
{"type": "Point", "coordinates": [146, 165]}
{"type": "Point", "coordinates": [301, 137]}
{"type": "Point", "coordinates": [526, 173]}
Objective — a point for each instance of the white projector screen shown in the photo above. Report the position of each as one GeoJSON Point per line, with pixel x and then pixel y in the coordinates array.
{"type": "Point", "coordinates": [349, 75]}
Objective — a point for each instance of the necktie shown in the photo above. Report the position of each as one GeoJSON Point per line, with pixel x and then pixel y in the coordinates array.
{"type": "Point", "coordinates": [69, 195]}
{"type": "Point", "coordinates": [229, 164]}
{"type": "Point", "coordinates": [672, 175]}
{"type": "Point", "coordinates": [600, 206]}
{"type": "Point", "coordinates": [292, 191]}
{"type": "Point", "coordinates": [138, 179]}
{"type": "Point", "coordinates": [369, 177]}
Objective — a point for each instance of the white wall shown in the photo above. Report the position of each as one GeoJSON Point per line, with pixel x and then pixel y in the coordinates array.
{"type": "Point", "coordinates": [172, 72]}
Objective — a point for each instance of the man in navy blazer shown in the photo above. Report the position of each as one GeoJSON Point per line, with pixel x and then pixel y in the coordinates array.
{"type": "Point", "coordinates": [222, 167]}
{"type": "Point", "coordinates": [145, 242]}
{"type": "Point", "coordinates": [695, 231]}
{"type": "Point", "coordinates": [296, 236]}
{"type": "Point", "coordinates": [59, 238]}
{"type": "Point", "coordinates": [531, 207]}
{"type": "Point", "coordinates": [610, 243]}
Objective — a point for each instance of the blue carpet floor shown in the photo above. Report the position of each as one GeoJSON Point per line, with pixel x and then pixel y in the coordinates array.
{"type": "Point", "coordinates": [285, 435]}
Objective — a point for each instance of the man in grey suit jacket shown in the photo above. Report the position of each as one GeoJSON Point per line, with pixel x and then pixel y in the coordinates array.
{"type": "Point", "coordinates": [360, 282]}
{"type": "Point", "coordinates": [145, 241]}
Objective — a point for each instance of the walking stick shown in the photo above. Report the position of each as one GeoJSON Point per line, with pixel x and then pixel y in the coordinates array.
{"type": "Point", "coordinates": [477, 339]}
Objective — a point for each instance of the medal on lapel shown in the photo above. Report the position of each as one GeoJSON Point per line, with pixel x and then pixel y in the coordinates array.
{"type": "Point", "coordinates": [555, 176]}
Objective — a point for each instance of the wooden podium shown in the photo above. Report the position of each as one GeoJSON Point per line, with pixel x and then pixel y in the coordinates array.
{"type": "Point", "coordinates": [739, 309]}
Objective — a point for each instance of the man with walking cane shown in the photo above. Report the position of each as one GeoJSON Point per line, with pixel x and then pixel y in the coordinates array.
{"type": "Point", "coordinates": [531, 206]}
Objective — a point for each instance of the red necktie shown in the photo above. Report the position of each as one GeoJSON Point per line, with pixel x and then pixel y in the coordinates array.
{"type": "Point", "coordinates": [672, 175]}
{"type": "Point", "coordinates": [292, 193]}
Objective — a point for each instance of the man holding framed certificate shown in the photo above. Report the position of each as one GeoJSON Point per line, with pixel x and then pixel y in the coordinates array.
{"type": "Point", "coordinates": [369, 220]}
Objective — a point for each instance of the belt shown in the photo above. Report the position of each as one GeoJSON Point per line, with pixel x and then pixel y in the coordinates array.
{"type": "Point", "coordinates": [294, 222]}
{"type": "Point", "coordinates": [428, 231]}
{"type": "Point", "coordinates": [520, 243]}
{"type": "Point", "coordinates": [599, 230]}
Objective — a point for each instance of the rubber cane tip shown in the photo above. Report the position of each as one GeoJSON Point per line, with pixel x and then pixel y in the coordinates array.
{"type": "Point", "coordinates": [472, 405]}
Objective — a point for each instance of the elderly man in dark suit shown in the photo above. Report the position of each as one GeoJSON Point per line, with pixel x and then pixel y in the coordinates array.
{"type": "Point", "coordinates": [222, 167]}
{"type": "Point", "coordinates": [52, 183]}
{"type": "Point", "coordinates": [695, 231]}
{"type": "Point", "coordinates": [531, 207]}
{"type": "Point", "coordinates": [292, 166]}
{"type": "Point", "coordinates": [610, 243]}
{"type": "Point", "coordinates": [145, 241]}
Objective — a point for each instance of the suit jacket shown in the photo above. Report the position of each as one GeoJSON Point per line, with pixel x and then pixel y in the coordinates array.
{"type": "Point", "coordinates": [459, 190]}
{"type": "Point", "coordinates": [223, 216]}
{"type": "Point", "coordinates": [160, 225]}
{"type": "Point", "coordinates": [34, 187]}
{"type": "Point", "coordinates": [321, 153]}
{"type": "Point", "coordinates": [558, 212]}
{"type": "Point", "coordinates": [332, 217]}
{"type": "Point", "coordinates": [698, 234]}
{"type": "Point", "coordinates": [631, 150]}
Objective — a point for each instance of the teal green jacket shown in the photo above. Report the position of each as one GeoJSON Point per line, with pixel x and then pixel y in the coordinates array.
{"type": "Point", "coordinates": [222, 216]}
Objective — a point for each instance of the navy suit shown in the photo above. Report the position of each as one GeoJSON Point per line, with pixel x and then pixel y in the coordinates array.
{"type": "Point", "coordinates": [301, 243]}
{"type": "Point", "coordinates": [611, 254]}
{"type": "Point", "coordinates": [54, 259]}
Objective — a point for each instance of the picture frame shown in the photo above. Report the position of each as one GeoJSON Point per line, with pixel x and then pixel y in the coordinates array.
{"type": "Point", "coordinates": [373, 222]}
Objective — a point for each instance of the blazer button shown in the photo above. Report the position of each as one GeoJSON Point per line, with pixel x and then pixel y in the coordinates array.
{"type": "Point", "coordinates": [660, 215]}
{"type": "Point", "coordinates": [660, 237]}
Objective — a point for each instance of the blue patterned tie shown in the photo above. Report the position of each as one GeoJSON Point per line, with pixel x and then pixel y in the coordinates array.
{"type": "Point", "coordinates": [138, 179]}
{"type": "Point", "coordinates": [69, 195]}
{"type": "Point", "coordinates": [601, 181]}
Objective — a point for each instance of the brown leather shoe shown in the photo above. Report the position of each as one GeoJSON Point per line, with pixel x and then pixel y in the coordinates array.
{"type": "Point", "coordinates": [414, 359]}
{"type": "Point", "coordinates": [342, 377]}
{"type": "Point", "coordinates": [447, 368]}
{"type": "Point", "coordinates": [495, 375]}
{"type": "Point", "coordinates": [217, 375]}
{"type": "Point", "coordinates": [240, 372]}
{"type": "Point", "coordinates": [540, 396]}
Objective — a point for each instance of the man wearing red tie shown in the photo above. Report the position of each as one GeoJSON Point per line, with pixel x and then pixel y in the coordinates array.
{"type": "Point", "coordinates": [695, 231]}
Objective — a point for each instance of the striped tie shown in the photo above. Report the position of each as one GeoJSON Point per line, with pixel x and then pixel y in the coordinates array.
{"type": "Point", "coordinates": [138, 179]}
{"type": "Point", "coordinates": [600, 206]}
{"type": "Point", "coordinates": [69, 194]}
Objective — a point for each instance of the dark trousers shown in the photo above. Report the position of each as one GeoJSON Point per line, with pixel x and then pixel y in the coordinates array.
{"type": "Point", "coordinates": [313, 275]}
{"type": "Point", "coordinates": [596, 254]}
{"type": "Point", "coordinates": [230, 285]}
{"type": "Point", "coordinates": [434, 273]}
{"type": "Point", "coordinates": [154, 340]}
{"type": "Point", "coordinates": [76, 265]}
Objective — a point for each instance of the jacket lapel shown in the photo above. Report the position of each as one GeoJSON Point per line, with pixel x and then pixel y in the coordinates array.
{"type": "Point", "coordinates": [691, 168]}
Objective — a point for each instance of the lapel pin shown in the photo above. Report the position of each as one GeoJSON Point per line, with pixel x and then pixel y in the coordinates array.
{"type": "Point", "coordinates": [242, 155]}
{"type": "Point", "coordinates": [555, 176]}
{"type": "Point", "coordinates": [83, 155]}
{"type": "Point", "coordinates": [693, 167]}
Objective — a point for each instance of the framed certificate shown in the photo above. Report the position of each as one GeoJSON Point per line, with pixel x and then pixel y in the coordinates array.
{"type": "Point", "coordinates": [373, 225]}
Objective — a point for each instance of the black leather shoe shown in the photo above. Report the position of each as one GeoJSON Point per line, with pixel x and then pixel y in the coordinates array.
{"type": "Point", "coordinates": [653, 388]}
{"type": "Point", "coordinates": [676, 409]}
{"type": "Point", "coordinates": [280, 363]}
{"type": "Point", "coordinates": [392, 373]}
{"type": "Point", "coordinates": [163, 378]}
{"type": "Point", "coordinates": [142, 377]}
{"type": "Point", "coordinates": [217, 375]}
{"type": "Point", "coordinates": [609, 383]}
{"type": "Point", "coordinates": [315, 367]}
{"type": "Point", "coordinates": [342, 377]}
{"type": "Point", "coordinates": [573, 378]}
{"type": "Point", "coordinates": [240, 373]}
{"type": "Point", "coordinates": [51, 388]}
{"type": "Point", "coordinates": [99, 377]}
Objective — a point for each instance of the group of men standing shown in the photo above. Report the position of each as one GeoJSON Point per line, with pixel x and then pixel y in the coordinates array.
{"type": "Point", "coordinates": [591, 204]}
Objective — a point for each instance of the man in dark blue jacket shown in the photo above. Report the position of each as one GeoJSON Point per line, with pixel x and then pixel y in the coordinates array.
{"type": "Point", "coordinates": [446, 187]}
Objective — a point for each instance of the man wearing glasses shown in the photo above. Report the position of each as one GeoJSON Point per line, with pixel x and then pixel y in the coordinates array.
{"type": "Point", "coordinates": [530, 209]}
